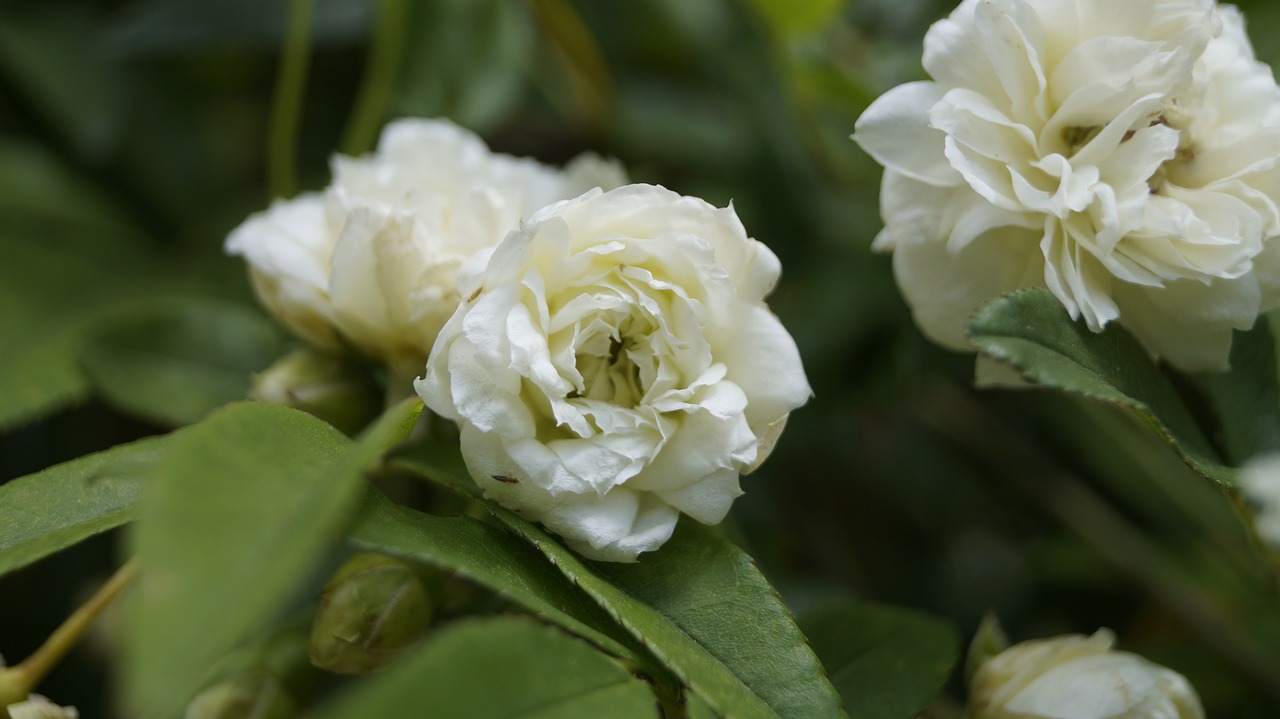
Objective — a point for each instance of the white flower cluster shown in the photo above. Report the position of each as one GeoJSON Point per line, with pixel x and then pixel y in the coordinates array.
{"type": "Point", "coordinates": [615, 365]}
{"type": "Point", "coordinates": [608, 355]}
{"type": "Point", "coordinates": [371, 261]}
{"type": "Point", "coordinates": [1078, 677]}
{"type": "Point", "coordinates": [1123, 154]}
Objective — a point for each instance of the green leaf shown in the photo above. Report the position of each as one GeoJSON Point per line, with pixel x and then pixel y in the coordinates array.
{"type": "Point", "coordinates": [53, 509]}
{"type": "Point", "coordinates": [1244, 403]}
{"type": "Point", "coordinates": [52, 53]}
{"type": "Point", "coordinates": [887, 662]}
{"type": "Point", "coordinates": [69, 255]}
{"type": "Point", "coordinates": [498, 41]}
{"type": "Point", "coordinates": [797, 16]}
{"type": "Point", "coordinates": [498, 668]}
{"type": "Point", "coordinates": [48, 299]}
{"type": "Point", "coordinates": [174, 362]}
{"type": "Point", "coordinates": [235, 519]}
{"type": "Point", "coordinates": [741, 653]}
{"type": "Point", "coordinates": [713, 591]}
{"type": "Point", "coordinates": [1030, 330]}
{"type": "Point", "coordinates": [490, 557]}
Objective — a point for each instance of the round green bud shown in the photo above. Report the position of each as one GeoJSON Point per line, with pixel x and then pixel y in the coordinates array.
{"type": "Point", "coordinates": [256, 695]}
{"type": "Point", "coordinates": [374, 609]}
{"type": "Point", "coordinates": [330, 387]}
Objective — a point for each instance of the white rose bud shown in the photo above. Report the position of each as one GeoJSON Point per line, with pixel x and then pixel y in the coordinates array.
{"type": "Point", "coordinates": [1125, 155]}
{"type": "Point", "coordinates": [1078, 677]}
{"type": "Point", "coordinates": [372, 260]}
{"type": "Point", "coordinates": [615, 364]}
{"type": "Point", "coordinates": [1260, 483]}
{"type": "Point", "coordinates": [38, 707]}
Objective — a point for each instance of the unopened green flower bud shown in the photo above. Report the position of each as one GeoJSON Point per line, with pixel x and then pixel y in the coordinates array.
{"type": "Point", "coordinates": [373, 610]}
{"type": "Point", "coordinates": [332, 388]}
{"type": "Point", "coordinates": [258, 695]}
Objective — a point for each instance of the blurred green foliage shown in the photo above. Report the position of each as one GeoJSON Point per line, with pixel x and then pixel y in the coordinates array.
{"type": "Point", "coordinates": [134, 136]}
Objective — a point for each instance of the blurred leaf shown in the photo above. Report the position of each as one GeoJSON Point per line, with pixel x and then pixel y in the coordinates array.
{"type": "Point", "coordinates": [235, 518]}
{"type": "Point", "coordinates": [1245, 401]}
{"type": "Point", "coordinates": [585, 67]}
{"type": "Point", "coordinates": [714, 592]}
{"type": "Point", "coordinates": [69, 254]}
{"type": "Point", "coordinates": [1030, 330]}
{"type": "Point", "coordinates": [496, 668]}
{"type": "Point", "coordinates": [746, 660]}
{"type": "Point", "coordinates": [174, 362]}
{"type": "Point", "coordinates": [797, 16]}
{"type": "Point", "coordinates": [53, 53]}
{"type": "Point", "coordinates": [165, 27]}
{"type": "Point", "coordinates": [48, 300]}
{"type": "Point", "coordinates": [39, 192]}
{"type": "Point", "coordinates": [47, 511]}
{"type": "Point", "coordinates": [496, 38]}
{"type": "Point", "coordinates": [487, 556]}
{"type": "Point", "coordinates": [887, 662]}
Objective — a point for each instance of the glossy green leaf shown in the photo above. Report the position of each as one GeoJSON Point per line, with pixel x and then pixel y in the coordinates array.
{"type": "Point", "coordinates": [716, 624]}
{"type": "Point", "coordinates": [713, 591]}
{"type": "Point", "coordinates": [490, 557]}
{"type": "Point", "coordinates": [65, 504]}
{"type": "Point", "coordinates": [235, 519]}
{"type": "Point", "coordinates": [174, 362]}
{"type": "Point", "coordinates": [887, 662]}
{"type": "Point", "coordinates": [498, 668]}
{"type": "Point", "coordinates": [1030, 330]}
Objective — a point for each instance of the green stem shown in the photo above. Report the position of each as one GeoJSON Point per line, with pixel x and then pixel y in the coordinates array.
{"type": "Point", "coordinates": [378, 82]}
{"type": "Point", "coordinates": [287, 106]}
{"type": "Point", "coordinates": [34, 668]}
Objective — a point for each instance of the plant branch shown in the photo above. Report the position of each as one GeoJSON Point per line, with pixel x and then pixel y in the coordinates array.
{"type": "Point", "coordinates": [378, 81]}
{"type": "Point", "coordinates": [34, 668]}
{"type": "Point", "coordinates": [287, 105]}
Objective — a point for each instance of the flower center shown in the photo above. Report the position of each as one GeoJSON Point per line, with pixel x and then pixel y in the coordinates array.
{"type": "Point", "coordinates": [609, 373]}
{"type": "Point", "coordinates": [1075, 137]}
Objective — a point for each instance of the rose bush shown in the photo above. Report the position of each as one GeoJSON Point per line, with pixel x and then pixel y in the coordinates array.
{"type": "Point", "coordinates": [1078, 677]}
{"type": "Point", "coordinates": [371, 261]}
{"type": "Point", "coordinates": [1124, 155]}
{"type": "Point", "coordinates": [614, 364]}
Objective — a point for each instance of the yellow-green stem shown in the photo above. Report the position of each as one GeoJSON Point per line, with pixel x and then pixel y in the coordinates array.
{"type": "Point", "coordinates": [287, 105]}
{"type": "Point", "coordinates": [34, 668]}
{"type": "Point", "coordinates": [378, 82]}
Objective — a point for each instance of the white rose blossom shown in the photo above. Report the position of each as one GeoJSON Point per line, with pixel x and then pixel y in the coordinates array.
{"type": "Point", "coordinates": [1125, 154]}
{"type": "Point", "coordinates": [615, 364]}
{"type": "Point", "coordinates": [1260, 484]}
{"type": "Point", "coordinates": [38, 707]}
{"type": "Point", "coordinates": [1078, 677]}
{"type": "Point", "coordinates": [371, 261]}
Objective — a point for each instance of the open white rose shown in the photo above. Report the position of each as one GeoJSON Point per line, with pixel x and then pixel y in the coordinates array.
{"type": "Point", "coordinates": [615, 364]}
{"type": "Point", "coordinates": [1078, 677]}
{"type": "Point", "coordinates": [1123, 154]}
{"type": "Point", "coordinates": [372, 260]}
